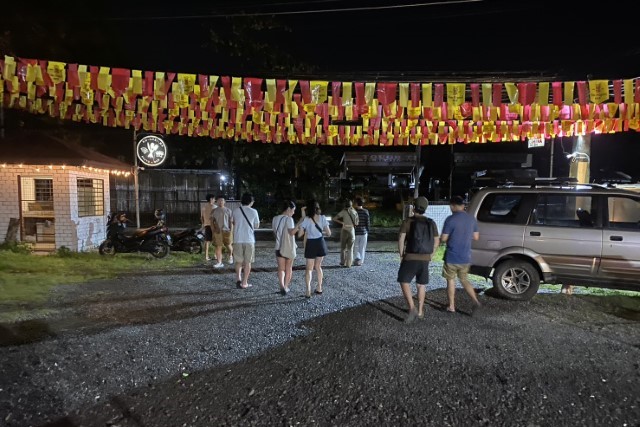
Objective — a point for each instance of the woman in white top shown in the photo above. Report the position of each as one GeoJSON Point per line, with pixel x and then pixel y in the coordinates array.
{"type": "Point", "coordinates": [280, 223]}
{"type": "Point", "coordinates": [316, 227]}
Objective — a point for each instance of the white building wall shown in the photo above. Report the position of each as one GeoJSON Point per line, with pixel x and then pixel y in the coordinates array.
{"type": "Point", "coordinates": [74, 232]}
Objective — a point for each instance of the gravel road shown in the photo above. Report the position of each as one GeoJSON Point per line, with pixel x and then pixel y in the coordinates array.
{"type": "Point", "coordinates": [188, 348]}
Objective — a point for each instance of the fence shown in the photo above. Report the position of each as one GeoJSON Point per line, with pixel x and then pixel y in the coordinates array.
{"type": "Point", "coordinates": [179, 192]}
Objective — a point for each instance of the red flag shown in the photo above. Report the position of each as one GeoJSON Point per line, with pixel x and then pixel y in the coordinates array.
{"type": "Point", "coordinates": [582, 92]}
{"type": "Point", "coordinates": [119, 80]}
{"type": "Point", "coordinates": [306, 91]}
{"type": "Point", "coordinates": [617, 91]}
{"type": "Point", "coordinates": [253, 92]}
{"type": "Point", "coordinates": [557, 93]}
{"type": "Point", "coordinates": [475, 94]}
{"type": "Point", "coordinates": [438, 96]}
{"type": "Point", "coordinates": [497, 94]}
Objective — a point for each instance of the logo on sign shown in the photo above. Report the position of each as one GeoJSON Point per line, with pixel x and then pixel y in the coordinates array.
{"type": "Point", "coordinates": [151, 150]}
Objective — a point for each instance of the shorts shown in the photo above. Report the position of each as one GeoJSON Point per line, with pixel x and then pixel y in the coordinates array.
{"type": "Point", "coordinates": [315, 248]}
{"type": "Point", "coordinates": [208, 234]}
{"type": "Point", "coordinates": [224, 238]}
{"type": "Point", "coordinates": [451, 271]}
{"type": "Point", "coordinates": [278, 254]}
{"type": "Point", "coordinates": [410, 269]}
{"type": "Point", "coordinates": [243, 253]}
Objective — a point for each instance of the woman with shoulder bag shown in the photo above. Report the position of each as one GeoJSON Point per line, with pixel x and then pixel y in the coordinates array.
{"type": "Point", "coordinates": [285, 234]}
{"type": "Point", "coordinates": [316, 227]}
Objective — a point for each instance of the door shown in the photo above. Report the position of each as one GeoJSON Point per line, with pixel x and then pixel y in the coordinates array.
{"type": "Point", "coordinates": [37, 218]}
{"type": "Point", "coordinates": [565, 230]}
{"type": "Point", "coordinates": [621, 242]}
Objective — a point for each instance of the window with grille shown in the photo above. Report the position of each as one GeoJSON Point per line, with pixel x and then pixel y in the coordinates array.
{"type": "Point", "coordinates": [90, 197]}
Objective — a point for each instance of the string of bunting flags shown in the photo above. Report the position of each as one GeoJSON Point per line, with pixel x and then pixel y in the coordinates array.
{"type": "Point", "coordinates": [319, 112]}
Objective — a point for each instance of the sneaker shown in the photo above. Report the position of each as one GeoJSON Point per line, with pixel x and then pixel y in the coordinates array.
{"type": "Point", "coordinates": [230, 260]}
{"type": "Point", "coordinates": [218, 265]}
{"type": "Point", "coordinates": [411, 316]}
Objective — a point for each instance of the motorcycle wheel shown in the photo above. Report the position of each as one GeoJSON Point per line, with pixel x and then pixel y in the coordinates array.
{"type": "Point", "coordinates": [160, 250]}
{"type": "Point", "coordinates": [107, 248]}
{"type": "Point", "coordinates": [193, 247]}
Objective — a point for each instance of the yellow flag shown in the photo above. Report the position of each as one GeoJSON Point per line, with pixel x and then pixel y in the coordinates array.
{"type": "Point", "coordinates": [236, 89]}
{"type": "Point", "coordinates": [9, 68]}
{"type": "Point", "coordinates": [455, 94]}
{"type": "Point", "coordinates": [186, 82]}
{"type": "Point", "coordinates": [543, 93]}
{"type": "Point", "coordinates": [136, 82]}
{"type": "Point", "coordinates": [628, 91]}
{"type": "Point", "coordinates": [404, 95]}
{"type": "Point", "coordinates": [599, 91]}
{"type": "Point", "coordinates": [427, 98]}
{"type": "Point", "coordinates": [369, 93]}
{"type": "Point", "coordinates": [56, 71]}
{"type": "Point", "coordinates": [104, 79]}
{"type": "Point", "coordinates": [512, 92]}
{"type": "Point", "coordinates": [486, 94]}
{"type": "Point", "coordinates": [318, 91]}
{"type": "Point", "coordinates": [568, 93]}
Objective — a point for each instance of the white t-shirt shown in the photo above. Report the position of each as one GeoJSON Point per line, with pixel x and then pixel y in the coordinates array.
{"type": "Point", "coordinates": [310, 228]}
{"type": "Point", "coordinates": [278, 224]}
{"type": "Point", "coordinates": [242, 232]}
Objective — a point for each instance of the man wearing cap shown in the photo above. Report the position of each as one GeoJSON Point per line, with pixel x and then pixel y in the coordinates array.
{"type": "Point", "coordinates": [417, 240]}
{"type": "Point", "coordinates": [457, 232]}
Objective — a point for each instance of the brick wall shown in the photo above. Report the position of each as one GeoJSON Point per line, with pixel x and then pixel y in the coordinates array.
{"type": "Point", "coordinates": [72, 231]}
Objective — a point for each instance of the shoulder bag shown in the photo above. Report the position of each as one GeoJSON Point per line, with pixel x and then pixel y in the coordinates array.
{"type": "Point", "coordinates": [245, 217]}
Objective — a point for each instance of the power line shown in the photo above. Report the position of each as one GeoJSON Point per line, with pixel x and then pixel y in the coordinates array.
{"type": "Point", "coordinates": [295, 12]}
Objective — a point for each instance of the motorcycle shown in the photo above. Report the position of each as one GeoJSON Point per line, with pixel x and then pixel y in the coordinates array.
{"type": "Point", "coordinates": [152, 239]}
{"type": "Point", "coordinates": [189, 240]}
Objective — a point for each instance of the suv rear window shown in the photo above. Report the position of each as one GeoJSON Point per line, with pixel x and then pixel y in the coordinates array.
{"type": "Point", "coordinates": [500, 207]}
{"type": "Point", "coordinates": [564, 210]}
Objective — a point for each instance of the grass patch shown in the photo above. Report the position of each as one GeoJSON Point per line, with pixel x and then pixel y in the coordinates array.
{"type": "Point", "coordinates": [28, 278]}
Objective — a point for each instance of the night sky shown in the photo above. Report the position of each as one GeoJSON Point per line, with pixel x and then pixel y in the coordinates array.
{"type": "Point", "coordinates": [428, 41]}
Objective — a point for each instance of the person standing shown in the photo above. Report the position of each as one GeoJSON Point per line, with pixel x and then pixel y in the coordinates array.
{"type": "Point", "coordinates": [316, 227]}
{"type": "Point", "coordinates": [244, 220]}
{"type": "Point", "coordinates": [284, 230]}
{"type": "Point", "coordinates": [362, 232]}
{"type": "Point", "coordinates": [417, 241]}
{"type": "Point", "coordinates": [222, 231]}
{"type": "Point", "coordinates": [348, 218]}
{"type": "Point", "coordinates": [458, 231]}
{"type": "Point", "coordinates": [205, 220]}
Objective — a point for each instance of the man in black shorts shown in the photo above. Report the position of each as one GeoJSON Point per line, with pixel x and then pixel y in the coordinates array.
{"type": "Point", "coordinates": [417, 241]}
{"type": "Point", "coordinates": [205, 218]}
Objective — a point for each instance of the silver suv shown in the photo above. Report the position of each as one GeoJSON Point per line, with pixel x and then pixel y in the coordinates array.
{"type": "Point", "coordinates": [585, 235]}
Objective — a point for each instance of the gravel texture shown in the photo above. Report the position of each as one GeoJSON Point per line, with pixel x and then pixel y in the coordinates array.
{"type": "Point", "coordinates": [190, 349]}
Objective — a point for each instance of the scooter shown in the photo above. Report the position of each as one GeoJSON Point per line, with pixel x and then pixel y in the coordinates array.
{"type": "Point", "coordinates": [152, 239]}
{"type": "Point", "coordinates": [189, 240]}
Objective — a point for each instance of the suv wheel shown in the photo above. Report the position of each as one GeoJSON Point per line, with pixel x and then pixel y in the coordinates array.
{"type": "Point", "coordinates": [516, 280]}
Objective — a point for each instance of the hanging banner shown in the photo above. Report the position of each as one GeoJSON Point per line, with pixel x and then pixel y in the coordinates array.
{"type": "Point", "coordinates": [316, 112]}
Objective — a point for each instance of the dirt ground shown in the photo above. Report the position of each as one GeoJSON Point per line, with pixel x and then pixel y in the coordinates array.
{"type": "Point", "coordinates": [187, 348]}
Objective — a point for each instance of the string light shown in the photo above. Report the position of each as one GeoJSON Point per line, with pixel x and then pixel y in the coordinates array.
{"type": "Point", "coordinates": [64, 167]}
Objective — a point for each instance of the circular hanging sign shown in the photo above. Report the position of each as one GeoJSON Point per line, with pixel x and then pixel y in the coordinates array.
{"type": "Point", "coordinates": [151, 150]}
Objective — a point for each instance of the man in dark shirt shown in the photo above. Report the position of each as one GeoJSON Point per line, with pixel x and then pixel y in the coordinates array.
{"type": "Point", "coordinates": [415, 264]}
{"type": "Point", "coordinates": [362, 232]}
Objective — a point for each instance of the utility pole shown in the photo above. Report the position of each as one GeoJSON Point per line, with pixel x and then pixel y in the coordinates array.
{"type": "Point", "coordinates": [418, 172]}
{"type": "Point", "coordinates": [581, 158]}
{"type": "Point", "coordinates": [135, 177]}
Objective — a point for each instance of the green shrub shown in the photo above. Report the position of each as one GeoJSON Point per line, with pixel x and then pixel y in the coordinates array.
{"type": "Point", "coordinates": [385, 218]}
{"type": "Point", "coordinates": [64, 252]}
{"type": "Point", "coordinates": [17, 247]}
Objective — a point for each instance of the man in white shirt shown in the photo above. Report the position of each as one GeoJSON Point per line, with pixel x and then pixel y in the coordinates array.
{"type": "Point", "coordinates": [245, 220]}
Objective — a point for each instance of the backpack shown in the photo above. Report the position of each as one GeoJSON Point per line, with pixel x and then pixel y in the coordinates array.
{"type": "Point", "coordinates": [420, 236]}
